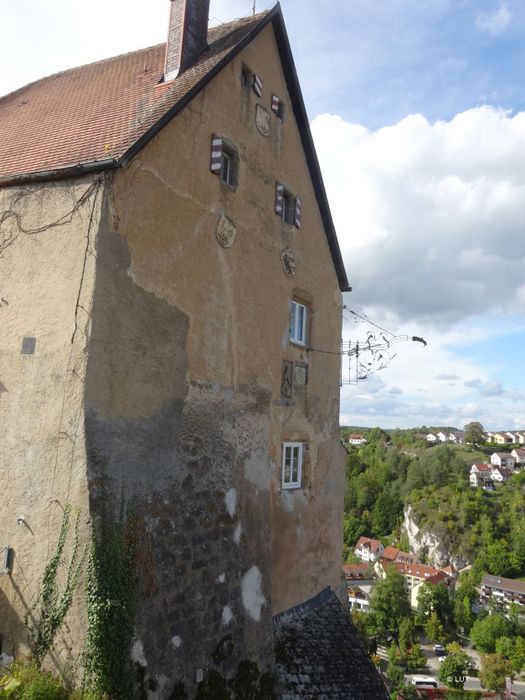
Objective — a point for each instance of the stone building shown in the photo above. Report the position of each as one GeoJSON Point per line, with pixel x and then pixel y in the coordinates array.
{"type": "Point", "coordinates": [170, 317]}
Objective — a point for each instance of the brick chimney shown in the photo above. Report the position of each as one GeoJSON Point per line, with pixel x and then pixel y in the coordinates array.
{"type": "Point", "coordinates": [187, 35]}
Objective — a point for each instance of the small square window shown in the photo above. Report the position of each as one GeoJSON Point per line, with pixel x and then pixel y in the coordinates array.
{"type": "Point", "coordinates": [292, 472]}
{"type": "Point", "coordinates": [298, 321]}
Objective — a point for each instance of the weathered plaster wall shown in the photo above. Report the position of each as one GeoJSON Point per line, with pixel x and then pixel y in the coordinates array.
{"type": "Point", "coordinates": [46, 285]}
{"type": "Point", "coordinates": [183, 404]}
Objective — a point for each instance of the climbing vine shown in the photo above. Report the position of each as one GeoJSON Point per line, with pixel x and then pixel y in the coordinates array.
{"type": "Point", "coordinates": [110, 593]}
{"type": "Point", "coordinates": [51, 606]}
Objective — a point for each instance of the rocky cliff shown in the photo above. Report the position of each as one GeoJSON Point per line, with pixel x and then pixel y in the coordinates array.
{"type": "Point", "coordinates": [425, 542]}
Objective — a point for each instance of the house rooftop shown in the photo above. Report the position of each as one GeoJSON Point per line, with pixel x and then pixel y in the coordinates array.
{"type": "Point", "coordinates": [505, 584]}
{"type": "Point", "coordinates": [99, 116]}
{"type": "Point", "coordinates": [368, 543]}
{"type": "Point", "coordinates": [94, 114]}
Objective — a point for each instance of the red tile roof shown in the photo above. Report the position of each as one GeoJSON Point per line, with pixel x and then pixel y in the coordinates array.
{"type": "Point", "coordinates": [358, 571]}
{"type": "Point", "coordinates": [482, 467]}
{"type": "Point", "coordinates": [98, 111]}
{"type": "Point", "coordinates": [390, 553]}
{"type": "Point", "coordinates": [369, 543]}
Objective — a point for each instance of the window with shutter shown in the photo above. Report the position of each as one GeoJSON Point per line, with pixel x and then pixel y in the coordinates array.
{"type": "Point", "coordinates": [224, 161]}
{"type": "Point", "coordinates": [287, 205]}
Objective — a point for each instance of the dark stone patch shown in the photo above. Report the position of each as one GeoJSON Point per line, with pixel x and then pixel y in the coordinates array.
{"type": "Point", "coordinates": [319, 654]}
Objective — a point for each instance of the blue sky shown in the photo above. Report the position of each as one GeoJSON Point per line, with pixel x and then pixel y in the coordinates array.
{"type": "Point", "coordinates": [418, 112]}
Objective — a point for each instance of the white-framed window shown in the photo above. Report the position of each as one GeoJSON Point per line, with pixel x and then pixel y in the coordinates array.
{"type": "Point", "coordinates": [298, 321]}
{"type": "Point", "coordinates": [292, 465]}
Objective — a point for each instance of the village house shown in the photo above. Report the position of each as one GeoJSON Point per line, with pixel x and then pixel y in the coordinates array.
{"type": "Point", "coordinates": [413, 573]}
{"type": "Point", "coordinates": [169, 263]}
{"type": "Point", "coordinates": [503, 438]}
{"type": "Point", "coordinates": [518, 453]}
{"type": "Point", "coordinates": [502, 459]}
{"type": "Point", "coordinates": [360, 579]}
{"type": "Point", "coordinates": [356, 440]}
{"type": "Point", "coordinates": [501, 474]}
{"type": "Point", "coordinates": [440, 577]}
{"type": "Point", "coordinates": [395, 554]}
{"type": "Point", "coordinates": [502, 590]}
{"type": "Point", "coordinates": [431, 437]}
{"type": "Point", "coordinates": [368, 549]}
{"type": "Point", "coordinates": [481, 476]}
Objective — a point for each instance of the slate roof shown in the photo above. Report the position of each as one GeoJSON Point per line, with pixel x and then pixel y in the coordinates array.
{"type": "Point", "coordinates": [319, 654]}
{"type": "Point", "coordinates": [505, 584]}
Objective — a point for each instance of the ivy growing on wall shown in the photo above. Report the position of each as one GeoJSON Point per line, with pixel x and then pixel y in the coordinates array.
{"type": "Point", "coordinates": [110, 593]}
{"type": "Point", "coordinates": [51, 606]}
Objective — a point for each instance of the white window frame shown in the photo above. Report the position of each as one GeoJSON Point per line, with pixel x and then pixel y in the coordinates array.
{"type": "Point", "coordinates": [290, 483]}
{"type": "Point", "coordinates": [298, 335]}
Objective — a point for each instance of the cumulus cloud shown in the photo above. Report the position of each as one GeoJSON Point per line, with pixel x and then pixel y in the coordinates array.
{"type": "Point", "coordinates": [430, 217]}
{"type": "Point", "coordinates": [492, 389]}
{"type": "Point", "coordinates": [447, 377]}
{"type": "Point", "coordinates": [496, 22]}
{"type": "Point", "coordinates": [474, 383]}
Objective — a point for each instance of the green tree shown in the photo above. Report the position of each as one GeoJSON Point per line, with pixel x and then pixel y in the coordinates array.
{"type": "Point", "coordinates": [454, 669]}
{"type": "Point", "coordinates": [464, 598]}
{"type": "Point", "coordinates": [424, 603]}
{"type": "Point", "coordinates": [513, 649]}
{"type": "Point", "coordinates": [495, 671]}
{"type": "Point", "coordinates": [415, 658]}
{"type": "Point", "coordinates": [434, 629]}
{"type": "Point", "coordinates": [485, 632]}
{"type": "Point", "coordinates": [407, 634]}
{"type": "Point", "coordinates": [390, 602]}
{"type": "Point", "coordinates": [498, 560]}
{"type": "Point", "coordinates": [474, 433]}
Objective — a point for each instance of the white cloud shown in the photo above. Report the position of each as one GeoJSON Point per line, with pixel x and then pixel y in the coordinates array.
{"type": "Point", "coordinates": [430, 217]}
{"type": "Point", "coordinates": [496, 22]}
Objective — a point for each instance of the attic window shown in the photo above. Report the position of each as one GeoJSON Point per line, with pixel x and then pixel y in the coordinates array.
{"type": "Point", "coordinates": [287, 205]}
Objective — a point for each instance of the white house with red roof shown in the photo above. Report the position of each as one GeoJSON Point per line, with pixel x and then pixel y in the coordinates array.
{"type": "Point", "coordinates": [481, 476]}
{"type": "Point", "coordinates": [368, 549]}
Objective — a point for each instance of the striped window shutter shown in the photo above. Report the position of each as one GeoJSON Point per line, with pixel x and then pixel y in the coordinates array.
{"type": "Point", "coordinates": [279, 203]}
{"type": "Point", "coordinates": [216, 154]}
{"type": "Point", "coordinates": [297, 214]}
{"type": "Point", "coordinates": [276, 103]}
{"type": "Point", "coordinates": [257, 85]}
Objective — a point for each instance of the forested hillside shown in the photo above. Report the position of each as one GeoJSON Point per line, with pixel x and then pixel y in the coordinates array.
{"type": "Point", "coordinates": [394, 471]}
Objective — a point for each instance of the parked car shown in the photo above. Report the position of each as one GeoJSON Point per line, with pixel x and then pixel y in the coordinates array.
{"type": "Point", "coordinates": [440, 650]}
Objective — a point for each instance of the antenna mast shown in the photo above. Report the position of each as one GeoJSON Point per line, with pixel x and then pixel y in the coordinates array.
{"type": "Point", "coordinates": [253, 9]}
